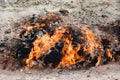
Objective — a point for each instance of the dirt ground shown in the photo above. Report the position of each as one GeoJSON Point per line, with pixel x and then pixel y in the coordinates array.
{"type": "Point", "coordinates": [104, 72]}
{"type": "Point", "coordinates": [81, 13]}
{"type": "Point", "coordinates": [92, 12]}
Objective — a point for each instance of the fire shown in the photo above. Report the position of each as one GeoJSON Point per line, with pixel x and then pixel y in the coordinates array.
{"type": "Point", "coordinates": [107, 51]}
{"type": "Point", "coordinates": [99, 57]}
{"type": "Point", "coordinates": [70, 53]}
{"type": "Point", "coordinates": [27, 28]}
{"type": "Point", "coordinates": [91, 44]}
{"type": "Point", "coordinates": [43, 44]}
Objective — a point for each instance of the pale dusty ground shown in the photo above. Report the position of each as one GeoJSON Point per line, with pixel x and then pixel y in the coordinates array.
{"type": "Point", "coordinates": [104, 72]}
{"type": "Point", "coordinates": [84, 11]}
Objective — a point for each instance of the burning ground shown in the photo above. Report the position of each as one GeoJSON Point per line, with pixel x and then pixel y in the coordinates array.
{"type": "Point", "coordinates": [71, 43]}
{"type": "Point", "coordinates": [51, 41]}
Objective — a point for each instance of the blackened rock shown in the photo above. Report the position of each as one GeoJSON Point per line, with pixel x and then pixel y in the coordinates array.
{"type": "Point", "coordinates": [39, 33]}
{"type": "Point", "coordinates": [105, 42]}
{"type": "Point", "coordinates": [53, 58]}
{"type": "Point", "coordinates": [32, 19]}
{"type": "Point", "coordinates": [31, 36]}
{"type": "Point", "coordinates": [13, 44]}
{"type": "Point", "coordinates": [22, 33]}
{"type": "Point", "coordinates": [23, 49]}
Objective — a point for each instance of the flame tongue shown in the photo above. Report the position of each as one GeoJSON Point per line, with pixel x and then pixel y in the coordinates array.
{"type": "Point", "coordinates": [43, 44]}
{"type": "Point", "coordinates": [92, 44]}
{"type": "Point", "coordinates": [107, 51]}
{"type": "Point", "coordinates": [69, 53]}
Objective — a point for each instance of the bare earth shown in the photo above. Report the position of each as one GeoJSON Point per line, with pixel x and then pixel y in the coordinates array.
{"type": "Point", "coordinates": [104, 72]}
{"type": "Point", "coordinates": [83, 11]}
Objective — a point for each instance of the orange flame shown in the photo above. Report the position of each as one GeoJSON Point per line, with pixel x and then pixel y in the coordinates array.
{"type": "Point", "coordinates": [91, 44]}
{"type": "Point", "coordinates": [43, 44]}
{"type": "Point", "coordinates": [27, 28]}
{"type": "Point", "coordinates": [70, 55]}
{"type": "Point", "coordinates": [99, 58]}
{"type": "Point", "coordinates": [107, 51]}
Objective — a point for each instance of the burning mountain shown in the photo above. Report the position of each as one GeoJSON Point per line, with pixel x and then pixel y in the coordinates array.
{"type": "Point", "coordinates": [50, 40]}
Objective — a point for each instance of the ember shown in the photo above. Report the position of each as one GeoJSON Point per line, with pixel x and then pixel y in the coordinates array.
{"type": "Point", "coordinates": [54, 42]}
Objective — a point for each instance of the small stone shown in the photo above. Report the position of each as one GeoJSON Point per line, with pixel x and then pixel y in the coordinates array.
{"type": "Point", "coordinates": [64, 12]}
{"type": "Point", "coordinates": [8, 31]}
{"type": "Point", "coordinates": [104, 16]}
{"type": "Point", "coordinates": [71, 1]}
{"type": "Point", "coordinates": [88, 75]}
